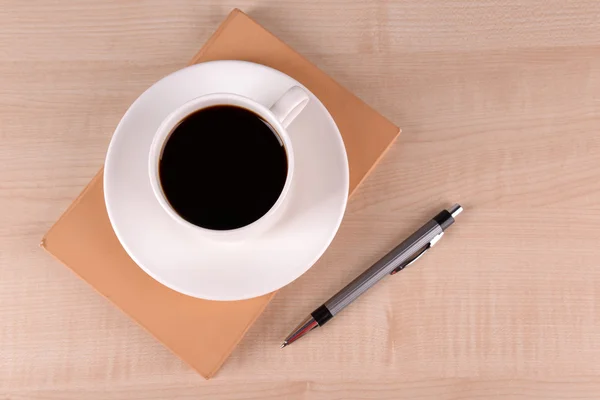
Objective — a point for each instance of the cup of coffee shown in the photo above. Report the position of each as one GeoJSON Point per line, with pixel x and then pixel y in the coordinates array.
{"type": "Point", "coordinates": [222, 164]}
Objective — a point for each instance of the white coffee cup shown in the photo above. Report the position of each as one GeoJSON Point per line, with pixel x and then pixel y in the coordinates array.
{"type": "Point", "coordinates": [279, 116]}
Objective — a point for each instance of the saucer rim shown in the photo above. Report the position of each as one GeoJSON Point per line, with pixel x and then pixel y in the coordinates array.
{"type": "Point", "coordinates": [248, 294]}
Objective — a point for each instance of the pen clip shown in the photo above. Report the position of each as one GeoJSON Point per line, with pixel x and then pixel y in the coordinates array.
{"type": "Point", "coordinates": [417, 255]}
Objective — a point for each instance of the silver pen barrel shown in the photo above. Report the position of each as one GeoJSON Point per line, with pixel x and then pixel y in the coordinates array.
{"type": "Point", "coordinates": [395, 258]}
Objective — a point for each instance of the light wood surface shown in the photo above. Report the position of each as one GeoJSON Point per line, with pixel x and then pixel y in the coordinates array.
{"type": "Point", "coordinates": [499, 102]}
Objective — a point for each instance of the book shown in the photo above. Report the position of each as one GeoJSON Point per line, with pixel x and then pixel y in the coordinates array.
{"type": "Point", "coordinates": [204, 333]}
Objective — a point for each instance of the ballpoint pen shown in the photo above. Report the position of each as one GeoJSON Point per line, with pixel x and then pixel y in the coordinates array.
{"type": "Point", "coordinates": [395, 261]}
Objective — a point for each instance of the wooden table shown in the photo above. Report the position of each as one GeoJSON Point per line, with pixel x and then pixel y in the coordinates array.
{"type": "Point", "coordinates": [499, 102]}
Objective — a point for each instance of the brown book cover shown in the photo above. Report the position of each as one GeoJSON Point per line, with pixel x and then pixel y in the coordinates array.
{"type": "Point", "coordinates": [83, 238]}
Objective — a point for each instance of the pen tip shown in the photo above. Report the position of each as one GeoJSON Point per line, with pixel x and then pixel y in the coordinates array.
{"type": "Point", "coordinates": [283, 345]}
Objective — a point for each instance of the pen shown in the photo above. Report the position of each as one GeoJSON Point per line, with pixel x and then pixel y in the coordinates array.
{"type": "Point", "coordinates": [395, 261]}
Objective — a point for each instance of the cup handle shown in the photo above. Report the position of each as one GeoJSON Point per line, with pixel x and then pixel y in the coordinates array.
{"type": "Point", "coordinates": [290, 105]}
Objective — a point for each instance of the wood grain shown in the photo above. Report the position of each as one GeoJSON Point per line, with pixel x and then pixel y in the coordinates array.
{"type": "Point", "coordinates": [499, 102]}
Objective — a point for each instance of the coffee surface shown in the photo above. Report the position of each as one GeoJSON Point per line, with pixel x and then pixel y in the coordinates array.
{"type": "Point", "coordinates": [223, 167]}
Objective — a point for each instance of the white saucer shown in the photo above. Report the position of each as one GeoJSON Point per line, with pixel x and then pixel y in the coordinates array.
{"type": "Point", "coordinates": [203, 267]}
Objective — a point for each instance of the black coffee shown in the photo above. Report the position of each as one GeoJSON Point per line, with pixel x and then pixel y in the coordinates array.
{"type": "Point", "coordinates": [223, 168]}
